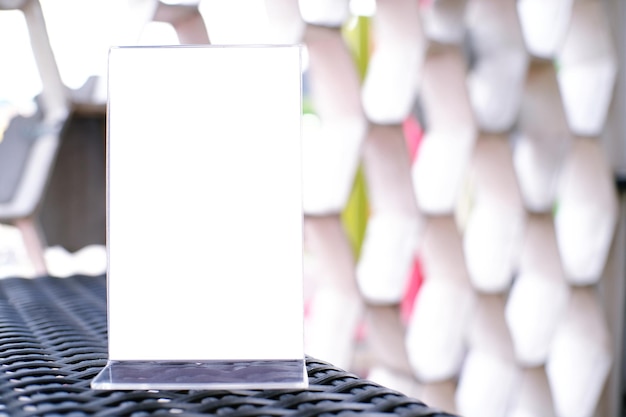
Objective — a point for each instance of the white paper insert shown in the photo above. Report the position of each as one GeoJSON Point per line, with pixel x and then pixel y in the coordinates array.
{"type": "Point", "coordinates": [204, 203]}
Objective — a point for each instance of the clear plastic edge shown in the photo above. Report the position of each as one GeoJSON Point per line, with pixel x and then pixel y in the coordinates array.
{"type": "Point", "coordinates": [202, 375]}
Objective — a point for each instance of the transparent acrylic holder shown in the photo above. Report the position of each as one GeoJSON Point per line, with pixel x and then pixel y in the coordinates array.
{"type": "Point", "coordinates": [175, 375]}
{"type": "Point", "coordinates": [204, 219]}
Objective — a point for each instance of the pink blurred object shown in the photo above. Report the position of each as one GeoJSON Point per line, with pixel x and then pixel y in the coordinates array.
{"type": "Point", "coordinates": [413, 134]}
{"type": "Point", "coordinates": [412, 291]}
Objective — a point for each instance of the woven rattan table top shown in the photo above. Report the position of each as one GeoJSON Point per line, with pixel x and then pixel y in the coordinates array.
{"type": "Point", "coordinates": [53, 342]}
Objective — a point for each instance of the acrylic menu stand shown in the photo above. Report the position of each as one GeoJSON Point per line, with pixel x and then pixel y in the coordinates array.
{"type": "Point", "coordinates": [204, 216]}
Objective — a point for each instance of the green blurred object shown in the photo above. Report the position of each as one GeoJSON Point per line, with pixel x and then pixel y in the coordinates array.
{"type": "Point", "coordinates": [355, 214]}
{"type": "Point", "coordinates": [356, 33]}
{"type": "Point", "coordinates": [307, 106]}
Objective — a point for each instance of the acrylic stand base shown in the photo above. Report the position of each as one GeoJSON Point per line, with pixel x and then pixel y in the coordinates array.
{"type": "Point", "coordinates": [200, 375]}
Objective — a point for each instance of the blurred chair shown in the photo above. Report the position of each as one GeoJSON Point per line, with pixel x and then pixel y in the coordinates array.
{"type": "Point", "coordinates": [29, 145]}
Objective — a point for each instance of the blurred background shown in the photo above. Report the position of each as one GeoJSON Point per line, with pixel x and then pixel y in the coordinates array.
{"type": "Point", "coordinates": [464, 165]}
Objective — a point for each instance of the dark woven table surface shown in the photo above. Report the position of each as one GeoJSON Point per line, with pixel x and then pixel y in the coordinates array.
{"type": "Point", "coordinates": [53, 342]}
